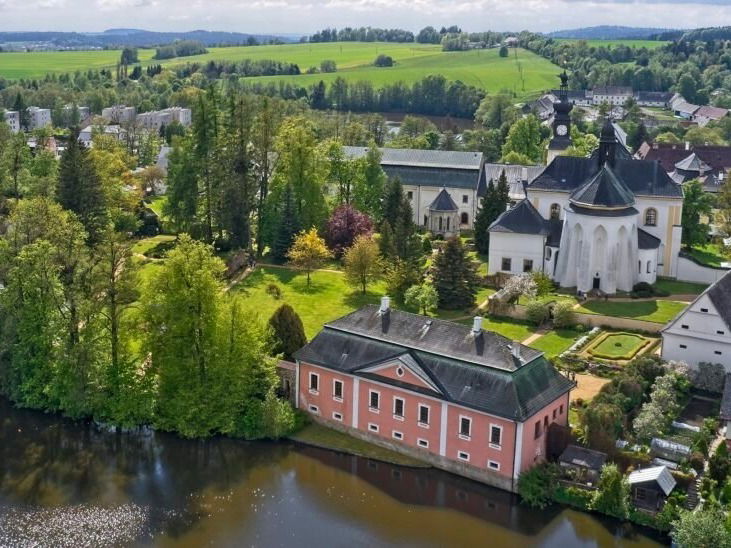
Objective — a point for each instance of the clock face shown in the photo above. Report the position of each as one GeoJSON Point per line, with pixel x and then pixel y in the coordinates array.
{"type": "Point", "coordinates": [561, 130]}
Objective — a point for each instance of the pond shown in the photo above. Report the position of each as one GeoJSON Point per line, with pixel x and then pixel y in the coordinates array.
{"type": "Point", "coordinates": [64, 483]}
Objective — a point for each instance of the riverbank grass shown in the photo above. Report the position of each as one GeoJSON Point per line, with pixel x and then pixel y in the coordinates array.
{"type": "Point", "coordinates": [320, 436]}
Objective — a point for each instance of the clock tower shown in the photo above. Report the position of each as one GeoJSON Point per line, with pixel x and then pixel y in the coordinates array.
{"type": "Point", "coordinates": [561, 139]}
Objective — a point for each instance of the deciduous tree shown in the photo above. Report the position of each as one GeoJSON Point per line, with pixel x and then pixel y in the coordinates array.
{"type": "Point", "coordinates": [308, 252]}
{"type": "Point", "coordinates": [362, 262]}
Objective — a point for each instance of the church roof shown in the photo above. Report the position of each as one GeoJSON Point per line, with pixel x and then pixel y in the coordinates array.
{"type": "Point", "coordinates": [521, 219]}
{"type": "Point", "coordinates": [603, 191]}
{"type": "Point", "coordinates": [443, 202]}
{"type": "Point", "coordinates": [645, 240]}
{"type": "Point", "coordinates": [693, 163]}
{"type": "Point", "coordinates": [643, 178]}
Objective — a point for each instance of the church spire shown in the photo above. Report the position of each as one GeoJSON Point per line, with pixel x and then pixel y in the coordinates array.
{"type": "Point", "coordinates": [607, 144]}
{"type": "Point", "coordinates": [561, 139]}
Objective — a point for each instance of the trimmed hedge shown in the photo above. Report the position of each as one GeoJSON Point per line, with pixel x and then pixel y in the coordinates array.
{"type": "Point", "coordinates": [591, 349]}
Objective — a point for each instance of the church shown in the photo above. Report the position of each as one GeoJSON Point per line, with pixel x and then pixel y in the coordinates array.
{"type": "Point", "coordinates": [602, 223]}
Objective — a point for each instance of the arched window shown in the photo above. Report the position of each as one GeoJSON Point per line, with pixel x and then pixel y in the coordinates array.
{"type": "Point", "coordinates": [549, 253]}
{"type": "Point", "coordinates": [440, 223]}
{"type": "Point", "coordinates": [464, 219]}
{"type": "Point", "coordinates": [555, 212]}
{"type": "Point", "coordinates": [649, 266]}
{"type": "Point", "coordinates": [651, 217]}
{"type": "Point", "coordinates": [448, 219]}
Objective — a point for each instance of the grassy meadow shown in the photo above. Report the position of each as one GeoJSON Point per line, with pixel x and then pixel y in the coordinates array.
{"type": "Point", "coordinates": [481, 68]}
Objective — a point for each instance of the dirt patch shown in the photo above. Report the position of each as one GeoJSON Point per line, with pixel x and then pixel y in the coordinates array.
{"type": "Point", "coordinates": [587, 386]}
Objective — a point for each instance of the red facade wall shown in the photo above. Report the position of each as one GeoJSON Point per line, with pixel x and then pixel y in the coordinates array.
{"type": "Point", "coordinates": [439, 432]}
{"type": "Point", "coordinates": [534, 448]}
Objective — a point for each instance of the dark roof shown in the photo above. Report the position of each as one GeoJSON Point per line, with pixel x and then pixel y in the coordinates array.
{"type": "Point", "coordinates": [567, 173]}
{"type": "Point", "coordinates": [477, 371]}
{"type": "Point", "coordinates": [604, 190]}
{"type": "Point", "coordinates": [571, 94]}
{"type": "Point", "coordinates": [612, 90]}
{"type": "Point", "coordinates": [514, 173]}
{"type": "Point", "coordinates": [668, 155]}
{"type": "Point", "coordinates": [521, 219]}
{"type": "Point", "coordinates": [693, 163]}
{"type": "Point", "coordinates": [581, 456]}
{"type": "Point", "coordinates": [645, 240]}
{"type": "Point", "coordinates": [654, 96]}
{"type": "Point", "coordinates": [443, 202]}
{"type": "Point", "coordinates": [725, 412]}
{"type": "Point", "coordinates": [712, 113]}
{"type": "Point", "coordinates": [720, 295]}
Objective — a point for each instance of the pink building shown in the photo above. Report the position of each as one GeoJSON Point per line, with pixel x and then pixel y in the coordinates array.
{"type": "Point", "coordinates": [466, 400]}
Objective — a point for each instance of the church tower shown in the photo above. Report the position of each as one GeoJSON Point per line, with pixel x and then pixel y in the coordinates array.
{"type": "Point", "coordinates": [561, 139]}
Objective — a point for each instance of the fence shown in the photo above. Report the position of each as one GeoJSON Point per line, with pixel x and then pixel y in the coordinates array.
{"type": "Point", "coordinates": [689, 270]}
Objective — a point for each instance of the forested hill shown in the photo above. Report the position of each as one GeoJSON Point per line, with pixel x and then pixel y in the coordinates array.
{"type": "Point", "coordinates": [707, 34]}
{"type": "Point", "coordinates": [608, 32]}
{"type": "Point", "coordinates": [114, 38]}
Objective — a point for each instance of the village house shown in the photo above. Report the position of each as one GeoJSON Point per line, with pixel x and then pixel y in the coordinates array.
{"type": "Point", "coordinates": [707, 114]}
{"type": "Point", "coordinates": [424, 174]}
{"type": "Point", "coordinates": [702, 332]}
{"type": "Point", "coordinates": [153, 121]}
{"type": "Point", "coordinates": [612, 95]}
{"type": "Point", "coordinates": [601, 223]}
{"type": "Point", "coordinates": [12, 118]}
{"type": "Point", "coordinates": [464, 399]}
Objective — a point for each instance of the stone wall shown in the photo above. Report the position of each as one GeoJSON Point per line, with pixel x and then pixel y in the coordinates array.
{"type": "Point", "coordinates": [461, 469]}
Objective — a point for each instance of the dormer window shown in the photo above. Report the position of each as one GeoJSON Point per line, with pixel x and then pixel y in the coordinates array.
{"type": "Point", "coordinates": [651, 217]}
{"type": "Point", "coordinates": [555, 212]}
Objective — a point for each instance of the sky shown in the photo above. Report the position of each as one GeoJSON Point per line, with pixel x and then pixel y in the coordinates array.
{"type": "Point", "coordinates": [307, 16]}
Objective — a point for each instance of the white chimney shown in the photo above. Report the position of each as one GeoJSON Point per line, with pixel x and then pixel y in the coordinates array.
{"type": "Point", "coordinates": [385, 305]}
{"type": "Point", "coordinates": [477, 325]}
{"type": "Point", "coordinates": [687, 145]}
{"type": "Point", "coordinates": [515, 350]}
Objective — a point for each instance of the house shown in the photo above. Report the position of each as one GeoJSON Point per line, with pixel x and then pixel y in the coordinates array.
{"type": "Point", "coordinates": [153, 121]}
{"type": "Point", "coordinates": [702, 332]}
{"type": "Point", "coordinates": [651, 487]}
{"type": "Point", "coordinates": [38, 117]}
{"type": "Point", "coordinates": [511, 42]}
{"type": "Point", "coordinates": [602, 223]}
{"type": "Point", "coordinates": [86, 135]}
{"type": "Point", "coordinates": [582, 465]}
{"type": "Point", "coordinates": [612, 95]}
{"type": "Point", "coordinates": [684, 109]}
{"type": "Point", "coordinates": [425, 173]}
{"type": "Point", "coordinates": [683, 162]}
{"type": "Point", "coordinates": [12, 118]}
{"type": "Point", "coordinates": [579, 98]}
{"type": "Point", "coordinates": [119, 114]}
{"type": "Point", "coordinates": [464, 399]}
{"type": "Point", "coordinates": [707, 114]}
{"type": "Point", "coordinates": [541, 107]}
{"type": "Point", "coordinates": [725, 411]}
{"type": "Point", "coordinates": [659, 99]}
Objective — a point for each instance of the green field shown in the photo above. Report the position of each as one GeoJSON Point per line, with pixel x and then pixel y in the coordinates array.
{"type": "Point", "coordinates": [649, 44]}
{"type": "Point", "coordinates": [481, 68]}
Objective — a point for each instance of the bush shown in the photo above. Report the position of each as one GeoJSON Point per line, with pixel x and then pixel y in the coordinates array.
{"type": "Point", "coordinates": [288, 333]}
{"type": "Point", "coordinates": [719, 466]}
{"type": "Point", "coordinates": [563, 314]}
{"type": "Point", "coordinates": [383, 61]}
{"type": "Point", "coordinates": [612, 494]}
{"type": "Point", "coordinates": [328, 65]}
{"type": "Point", "coordinates": [696, 461]}
{"type": "Point", "coordinates": [536, 485]}
{"type": "Point", "coordinates": [273, 290]}
{"type": "Point", "coordinates": [537, 312]}
{"type": "Point", "coordinates": [642, 286]}
{"type": "Point", "coordinates": [544, 284]}
{"type": "Point", "coordinates": [709, 376]}
{"type": "Point", "coordinates": [573, 496]}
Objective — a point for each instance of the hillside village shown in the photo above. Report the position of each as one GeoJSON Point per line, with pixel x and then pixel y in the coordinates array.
{"type": "Point", "coordinates": [555, 322]}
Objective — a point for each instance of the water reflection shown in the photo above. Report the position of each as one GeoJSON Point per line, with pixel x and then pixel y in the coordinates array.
{"type": "Point", "coordinates": [70, 484]}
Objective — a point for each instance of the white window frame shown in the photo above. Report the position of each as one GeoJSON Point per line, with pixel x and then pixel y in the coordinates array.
{"type": "Point", "coordinates": [370, 398]}
{"type": "Point", "coordinates": [497, 446]}
{"type": "Point", "coordinates": [463, 456]}
{"type": "Point", "coordinates": [421, 442]}
{"type": "Point", "coordinates": [428, 413]}
{"type": "Point", "coordinates": [314, 409]}
{"type": "Point", "coordinates": [403, 408]}
{"type": "Point", "coordinates": [342, 390]}
{"type": "Point", "coordinates": [397, 435]}
{"type": "Point", "coordinates": [493, 465]}
{"type": "Point", "coordinates": [337, 416]}
{"type": "Point", "coordinates": [372, 427]}
{"type": "Point", "coordinates": [459, 428]}
{"type": "Point", "coordinates": [314, 391]}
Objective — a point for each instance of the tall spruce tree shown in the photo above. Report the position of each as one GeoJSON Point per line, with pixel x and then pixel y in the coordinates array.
{"type": "Point", "coordinates": [369, 189]}
{"type": "Point", "coordinates": [287, 227]}
{"type": "Point", "coordinates": [492, 205]}
{"type": "Point", "coordinates": [287, 331]}
{"type": "Point", "coordinates": [80, 189]}
{"type": "Point", "coordinates": [455, 276]}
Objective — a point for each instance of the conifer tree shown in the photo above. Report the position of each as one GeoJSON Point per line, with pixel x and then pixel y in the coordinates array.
{"type": "Point", "coordinates": [385, 244]}
{"type": "Point", "coordinates": [287, 331]}
{"type": "Point", "coordinates": [287, 226]}
{"type": "Point", "coordinates": [369, 189]}
{"type": "Point", "coordinates": [492, 205]}
{"type": "Point", "coordinates": [455, 276]}
{"type": "Point", "coordinates": [80, 189]}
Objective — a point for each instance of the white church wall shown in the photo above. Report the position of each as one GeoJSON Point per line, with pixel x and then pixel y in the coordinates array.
{"type": "Point", "coordinates": [516, 247]}
{"type": "Point", "coordinates": [543, 200]}
{"type": "Point", "coordinates": [647, 265]}
{"type": "Point", "coordinates": [666, 228]}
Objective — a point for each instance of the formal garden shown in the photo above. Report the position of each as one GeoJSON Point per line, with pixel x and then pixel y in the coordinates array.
{"type": "Point", "coordinates": [620, 347]}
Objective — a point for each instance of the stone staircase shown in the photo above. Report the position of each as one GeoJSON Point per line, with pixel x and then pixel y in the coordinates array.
{"type": "Point", "coordinates": [693, 493]}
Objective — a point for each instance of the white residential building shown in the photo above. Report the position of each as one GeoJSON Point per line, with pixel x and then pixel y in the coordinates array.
{"type": "Point", "coordinates": [12, 118]}
{"type": "Point", "coordinates": [38, 117]}
{"type": "Point", "coordinates": [702, 332]}
{"type": "Point", "coordinates": [613, 95]}
{"type": "Point", "coordinates": [86, 135]}
{"type": "Point", "coordinates": [153, 121]}
{"type": "Point", "coordinates": [119, 114]}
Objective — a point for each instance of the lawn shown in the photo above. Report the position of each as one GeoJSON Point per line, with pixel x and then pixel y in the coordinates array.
{"type": "Point", "coordinates": [555, 342]}
{"type": "Point", "coordinates": [145, 245]}
{"type": "Point", "coordinates": [327, 438]}
{"type": "Point", "coordinates": [482, 68]}
{"type": "Point", "coordinates": [675, 287]}
{"type": "Point", "coordinates": [650, 311]}
{"type": "Point", "coordinates": [327, 298]}
{"type": "Point", "coordinates": [709, 254]}
{"type": "Point", "coordinates": [512, 329]}
{"type": "Point", "coordinates": [619, 346]}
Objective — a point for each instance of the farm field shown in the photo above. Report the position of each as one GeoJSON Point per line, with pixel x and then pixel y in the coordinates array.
{"type": "Point", "coordinates": [649, 44]}
{"type": "Point", "coordinates": [481, 68]}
